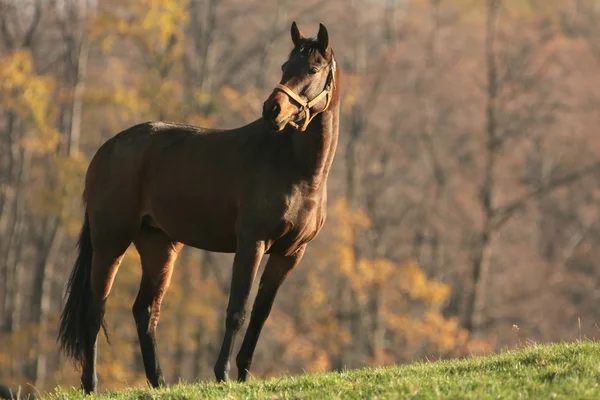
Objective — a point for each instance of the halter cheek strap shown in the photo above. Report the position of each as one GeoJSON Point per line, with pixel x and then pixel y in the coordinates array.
{"type": "Point", "coordinates": [307, 105]}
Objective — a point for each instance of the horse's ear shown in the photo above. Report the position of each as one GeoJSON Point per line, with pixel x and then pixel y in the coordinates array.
{"type": "Point", "coordinates": [323, 39]}
{"type": "Point", "coordinates": [297, 36]}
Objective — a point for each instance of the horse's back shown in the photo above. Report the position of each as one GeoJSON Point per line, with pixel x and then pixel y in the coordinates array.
{"type": "Point", "coordinates": [175, 177]}
{"type": "Point", "coordinates": [120, 159]}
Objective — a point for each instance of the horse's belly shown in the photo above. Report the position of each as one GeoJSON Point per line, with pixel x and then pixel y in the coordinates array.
{"type": "Point", "coordinates": [211, 231]}
{"type": "Point", "coordinates": [224, 243]}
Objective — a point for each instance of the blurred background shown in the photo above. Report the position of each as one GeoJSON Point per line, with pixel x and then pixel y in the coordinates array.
{"type": "Point", "coordinates": [464, 201]}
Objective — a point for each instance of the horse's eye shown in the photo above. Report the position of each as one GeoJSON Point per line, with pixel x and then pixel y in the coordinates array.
{"type": "Point", "coordinates": [313, 70]}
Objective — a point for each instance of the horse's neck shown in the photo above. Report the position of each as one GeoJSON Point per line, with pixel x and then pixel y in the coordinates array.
{"type": "Point", "coordinates": [315, 148]}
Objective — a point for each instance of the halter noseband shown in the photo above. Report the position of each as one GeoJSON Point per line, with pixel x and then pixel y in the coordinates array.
{"type": "Point", "coordinates": [307, 105]}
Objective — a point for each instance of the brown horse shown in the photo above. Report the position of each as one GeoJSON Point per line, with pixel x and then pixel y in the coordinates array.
{"type": "Point", "coordinates": [255, 190]}
{"type": "Point", "coordinates": [7, 393]}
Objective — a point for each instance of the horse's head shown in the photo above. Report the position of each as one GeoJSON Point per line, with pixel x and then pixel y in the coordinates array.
{"type": "Point", "coordinates": [306, 84]}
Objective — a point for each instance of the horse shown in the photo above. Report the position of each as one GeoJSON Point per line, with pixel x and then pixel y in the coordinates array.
{"type": "Point", "coordinates": [254, 190]}
{"type": "Point", "coordinates": [7, 393]}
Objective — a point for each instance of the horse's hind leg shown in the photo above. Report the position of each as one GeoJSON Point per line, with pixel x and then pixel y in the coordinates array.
{"type": "Point", "coordinates": [109, 246]}
{"type": "Point", "coordinates": [158, 254]}
{"type": "Point", "coordinates": [104, 269]}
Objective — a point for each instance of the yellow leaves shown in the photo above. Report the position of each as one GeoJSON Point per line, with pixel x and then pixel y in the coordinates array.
{"type": "Point", "coordinates": [70, 172]}
{"type": "Point", "coordinates": [15, 70]}
{"type": "Point", "coordinates": [202, 97]}
{"type": "Point", "coordinates": [414, 282]}
{"type": "Point", "coordinates": [124, 102]}
{"type": "Point", "coordinates": [346, 260]}
{"type": "Point", "coordinates": [66, 185]}
{"type": "Point", "coordinates": [23, 346]}
{"type": "Point", "coordinates": [444, 333]}
{"type": "Point", "coordinates": [129, 101]}
{"type": "Point", "coordinates": [156, 26]}
{"type": "Point", "coordinates": [353, 87]}
{"type": "Point", "coordinates": [116, 372]}
{"type": "Point", "coordinates": [311, 349]}
{"type": "Point", "coordinates": [31, 98]}
{"type": "Point", "coordinates": [165, 18]}
{"type": "Point", "coordinates": [320, 363]}
{"type": "Point", "coordinates": [363, 274]}
{"type": "Point", "coordinates": [408, 300]}
{"type": "Point", "coordinates": [156, 29]}
{"type": "Point", "coordinates": [347, 225]}
{"type": "Point", "coordinates": [147, 83]}
{"type": "Point", "coordinates": [161, 94]}
{"type": "Point", "coordinates": [417, 321]}
{"type": "Point", "coordinates": [107, 44]}
{"type": "Point", "coordinates": [204, 306]}
{"type": "Point", "coordinates": [45, 141]}
{"type": "Point", "coordinates": [347, 220]}
{"type": "Point", "coordinates": [430, 329]}
{"type": "Point", "coordinates": [247, 104]}
{"type": "Point", "coordinates": [481, 345]}
{"type": "Point", "coordinates": [318, 296]}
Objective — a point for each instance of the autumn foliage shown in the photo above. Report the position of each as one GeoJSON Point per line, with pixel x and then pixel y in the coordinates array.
{"type": "Point", "coordinates": [463, 199]}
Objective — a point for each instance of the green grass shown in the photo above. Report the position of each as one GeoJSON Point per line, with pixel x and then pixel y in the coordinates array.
{"type": "Point", "coordinates": [558, 371]}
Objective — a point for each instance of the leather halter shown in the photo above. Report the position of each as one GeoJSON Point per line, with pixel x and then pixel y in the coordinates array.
{"type": "Point", "coordinates": [307, 105]}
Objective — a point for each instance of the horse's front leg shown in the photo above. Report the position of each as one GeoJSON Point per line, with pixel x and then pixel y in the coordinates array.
{"type": "Point", "coordinates": [245, 264]}
{"type": "Point", "coordinates": [277, 269]}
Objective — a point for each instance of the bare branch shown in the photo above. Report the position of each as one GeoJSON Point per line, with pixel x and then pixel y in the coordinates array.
{"type": "Point", "coordinates": [37, 16]}
{"type": "Point", "coordinates": [7, 36]}
{"type": "Point", "coordinates": [504, 213]}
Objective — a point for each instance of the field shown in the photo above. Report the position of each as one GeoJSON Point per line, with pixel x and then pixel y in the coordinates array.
{"type": "Point", "coordinates": [556, 371]}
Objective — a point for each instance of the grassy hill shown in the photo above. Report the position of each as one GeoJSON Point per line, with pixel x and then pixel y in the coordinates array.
{"type": "Point", "coordinates": [557, 371]}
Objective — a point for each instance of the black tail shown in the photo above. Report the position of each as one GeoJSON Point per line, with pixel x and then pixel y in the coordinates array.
{"type": "Point", "coordinates": [79, 318]}
{"type": "Point", "coordinates": [7, 393]}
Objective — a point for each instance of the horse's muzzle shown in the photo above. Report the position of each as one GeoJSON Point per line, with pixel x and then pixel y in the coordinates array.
{"type": "Point", "coordinates": [271, 110]}
{"type": "Point", "coordinates": [277, 111]}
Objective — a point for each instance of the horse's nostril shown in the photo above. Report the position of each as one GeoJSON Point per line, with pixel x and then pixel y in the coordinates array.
{"type": "Point", "coordinates": [275, 110]}
{"type": "Point", "coordinates": [271, 110]}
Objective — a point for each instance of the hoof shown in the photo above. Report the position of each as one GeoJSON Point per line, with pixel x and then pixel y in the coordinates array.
{"type": "Point", "coordinates": [222, 372]}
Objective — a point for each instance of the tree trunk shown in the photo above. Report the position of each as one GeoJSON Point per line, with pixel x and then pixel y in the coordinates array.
{"type": "Point", "coordinates": [45, 274]}
{"type": "Point", "coordinates": [77, 113]}
{"type": "Point", "coordinates": [201, 353]}
{"type": "Point", "coordinates": [261, 80]}
{"type": "Point", "coordinates": [356, 131]}
{"type": "Point", "coordinates": [377, 327]}
{"type": "Point", "coordinates": [203, 35]}
{"type": "Point", "coordinates": [13, 237]}
{"type": "Point", "coordinates": [480, 266]}
{"type": "Point", "coordinates": [7, 193]}
{"type": "Point", "coordinates": [183, 321]}
{"type": "Point", "coordinates": [474, 304]}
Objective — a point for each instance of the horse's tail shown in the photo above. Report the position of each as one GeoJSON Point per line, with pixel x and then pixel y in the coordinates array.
{"type": "Point", "coordinates": [79, 317]}
{"type": "Point", "coordinates": [7, 393]}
